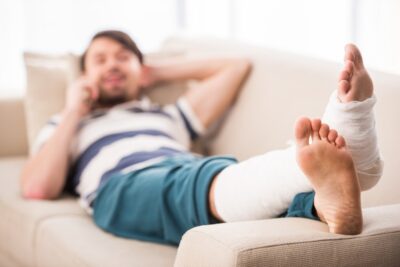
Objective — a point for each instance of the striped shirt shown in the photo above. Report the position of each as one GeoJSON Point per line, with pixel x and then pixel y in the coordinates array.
{"type": "Point", "coordinates": [127, 137]}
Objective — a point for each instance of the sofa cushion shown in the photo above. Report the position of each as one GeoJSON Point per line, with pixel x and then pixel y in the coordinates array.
{"type": "Point", "coordinates": [76, 241]}
{"type": "Point", "coordinates": [13, 140]}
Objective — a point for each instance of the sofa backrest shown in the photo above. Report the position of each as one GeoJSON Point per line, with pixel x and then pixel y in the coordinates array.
{"type": "Point", "coordinates": [13, 132]}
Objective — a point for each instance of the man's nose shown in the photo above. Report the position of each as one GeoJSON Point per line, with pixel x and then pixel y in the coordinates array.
{"type": "Point", "coordinates": [112, 63]}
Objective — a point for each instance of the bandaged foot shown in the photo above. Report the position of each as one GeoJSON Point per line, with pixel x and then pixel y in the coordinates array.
{"type": "Point", "coordinates": [350, 112]}
{"type": "Point", "coordinates": [328, 165]}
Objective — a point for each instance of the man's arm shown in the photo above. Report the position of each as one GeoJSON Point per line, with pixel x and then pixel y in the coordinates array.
{"type": "Point", "coordinates": [44, 175]}
{"type": "Point", "coordinates": [219, 81]}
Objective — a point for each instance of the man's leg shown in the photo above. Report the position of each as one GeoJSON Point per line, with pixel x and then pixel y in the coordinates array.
{"type": "Point", "coordinates": [264, 186]}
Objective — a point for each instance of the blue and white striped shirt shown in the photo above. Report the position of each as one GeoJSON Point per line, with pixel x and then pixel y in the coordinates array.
{"type": "Point", "coordinates": [127, 137]}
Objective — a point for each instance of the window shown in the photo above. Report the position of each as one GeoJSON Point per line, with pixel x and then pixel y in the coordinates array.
{"type": "Point", "coordinates": [311, 27]}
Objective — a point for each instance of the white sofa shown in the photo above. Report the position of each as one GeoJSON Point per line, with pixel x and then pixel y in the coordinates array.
{"type": "Point", "coordinates": [281, 87]}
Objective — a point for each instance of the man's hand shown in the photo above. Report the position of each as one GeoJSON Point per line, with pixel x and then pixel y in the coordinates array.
{"type": "Point", "coordinates": [148, 76]}
{"type": "Point", "coordinates": [81, 97]}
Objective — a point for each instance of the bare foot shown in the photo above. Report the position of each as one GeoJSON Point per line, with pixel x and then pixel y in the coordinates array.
{"type": "Point", "coordinates": [330, 169]}
{"type": "Point", "coordinates": [354, 81]}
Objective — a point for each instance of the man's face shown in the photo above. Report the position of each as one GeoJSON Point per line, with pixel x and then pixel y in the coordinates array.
{"type": "Point", "coordinates": [114, 69]}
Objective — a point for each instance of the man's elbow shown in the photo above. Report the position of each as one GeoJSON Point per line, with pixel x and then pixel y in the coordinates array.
{"type": "Point", "coordinates": [245, 64]}
{"type": "Point", "coordinates": [39, 192]}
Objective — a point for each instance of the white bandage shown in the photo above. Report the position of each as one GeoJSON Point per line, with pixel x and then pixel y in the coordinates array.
{"type": "Point", "coordinates": [356, 123]}
{"type": "Point", "coordinates": [260, 187]}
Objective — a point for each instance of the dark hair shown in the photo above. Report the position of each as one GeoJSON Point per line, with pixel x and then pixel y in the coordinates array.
{"type": "Point", "coordinates": [117, 36]}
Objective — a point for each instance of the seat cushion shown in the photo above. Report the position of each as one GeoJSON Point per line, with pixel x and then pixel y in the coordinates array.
{"type": "Point", "coordinates": [20, 218]}
{"type": "Point", "coordinates": [76, 241]}
{"type": "Point", "coordinates": [60, 233]}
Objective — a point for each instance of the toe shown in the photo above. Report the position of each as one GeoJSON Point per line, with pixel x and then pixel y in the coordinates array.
{"type": "Point", "coordinates": [332, 136]}
{"type": "Point", "coordinates": [302, 131]}
{"type": "Point", "coordinates": [340, 141]}
{"type": "Point", "coordinates": [344, 80]}
{"type": "Point", "coordinates": [324, 131]}
{"type": "Point", "coordinates": [344, 75]}
{"type": "Point", "coordinates": [343, 89]}
{"type": "Point", "coordinates": [316, 125]}
{"type": "Point", "coordinates": [349, 68]}
{"type": "Point", "coordinates": [353, 53]}
{"type": "Point", "coordinates": [348, 52]}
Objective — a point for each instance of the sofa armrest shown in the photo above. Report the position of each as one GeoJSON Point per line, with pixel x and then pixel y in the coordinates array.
{"type": "Point", "coordinates": [294, 242]}
{"type": "Point", "coordinates": [13, 138]}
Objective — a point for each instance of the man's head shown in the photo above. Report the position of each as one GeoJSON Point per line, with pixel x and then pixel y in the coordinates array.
{"type": "Point", "coordinates": [113, 62]}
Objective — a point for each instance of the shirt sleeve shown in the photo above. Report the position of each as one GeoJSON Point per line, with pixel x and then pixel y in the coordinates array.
{"type": "Point", "coordinates": [184, 112]}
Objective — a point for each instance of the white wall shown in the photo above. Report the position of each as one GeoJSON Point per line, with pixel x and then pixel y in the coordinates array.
{"type": "Point", "coordinates": [379, 33]}
{"type": "Point", "coordinates": [314, 27]}
{"type": "Point", "coordinates": [318, 28]}
{"type": "Point", "coordinates": [55, 26]}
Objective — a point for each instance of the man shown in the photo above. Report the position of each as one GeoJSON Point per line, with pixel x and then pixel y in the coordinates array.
{"type": "Point", "coordinates": [129, 159]}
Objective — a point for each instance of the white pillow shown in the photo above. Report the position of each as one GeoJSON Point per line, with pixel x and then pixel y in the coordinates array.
{"type": "Point", "coordinates": [47, 78]}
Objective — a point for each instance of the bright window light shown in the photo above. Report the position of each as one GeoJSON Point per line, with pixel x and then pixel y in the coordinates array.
{"type": "Point", "coordinates": [311, 27]}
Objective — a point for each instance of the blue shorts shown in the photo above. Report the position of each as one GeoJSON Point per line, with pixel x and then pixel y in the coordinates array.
{"type": "Point", "coordinates": [161, 202]}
